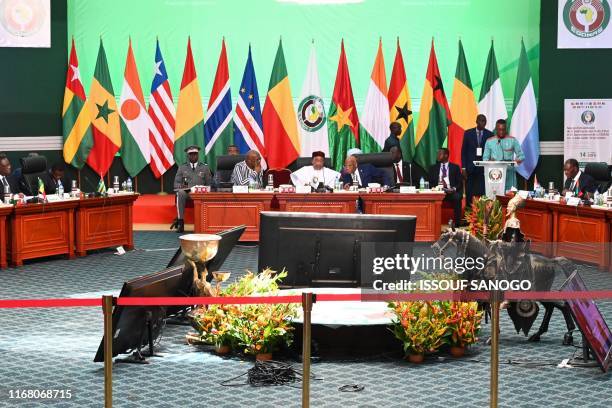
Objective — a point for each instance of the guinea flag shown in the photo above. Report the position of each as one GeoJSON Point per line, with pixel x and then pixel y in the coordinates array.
{"type": "Point", "coordinates": [400, 105]}
{"type": "Point", "coordinates": [279, 120]}
{"type": "Point", "coordinates": [104, 117]}
{"type": "Point", "coordinates": [463, 108]}
{"type": "Point", "coordinates": [434, 117]}
{"type": "Point", "coordinates": [375, 119]}
{"type": "Point", "coordinates": [189, 113]}
{"type": "Point", "coordinates": [76, 119]}
{"type": "Point", "coordinates": [343, 125]}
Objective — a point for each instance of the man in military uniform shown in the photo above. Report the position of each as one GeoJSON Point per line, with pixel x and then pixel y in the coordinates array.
{"type": "Point", "coordinates": [193, 173]}
{"type": "Point", "coordinates": [503, 147]}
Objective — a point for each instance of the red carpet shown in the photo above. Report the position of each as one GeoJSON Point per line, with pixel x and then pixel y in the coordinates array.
{"type": "Point", "coordinates": [159, 209]}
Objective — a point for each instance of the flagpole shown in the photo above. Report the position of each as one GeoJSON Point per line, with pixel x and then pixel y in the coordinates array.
{"type": "Point", "coordinates": [136, 183]}
{"type": "Point", "coordinates": [161, 182]}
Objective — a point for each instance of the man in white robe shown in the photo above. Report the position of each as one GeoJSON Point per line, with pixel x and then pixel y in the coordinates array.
{"type": "Point", "coordinates": [315, 174]}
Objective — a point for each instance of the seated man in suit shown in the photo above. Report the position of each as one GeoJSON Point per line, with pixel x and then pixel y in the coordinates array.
{"type": "Point", "coordinates": [249, 170]}
{"type": "Point", "coordinates": [7, 179]}
{"type": "Point", "coordinates": [55, 177]}
{"type": "Point", "coordinates": [577, 182]}
{"type": "Point", "coordinates": [315, 174]}
{"type": "Point", "coordinates": [448, 175]}
{"type": "Point", "coordinates": [363, 174]}
{"type": "Point", "coordinates": [192, 173]}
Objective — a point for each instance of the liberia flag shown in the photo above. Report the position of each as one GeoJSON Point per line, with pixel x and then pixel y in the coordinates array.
{"type": "Point", "coordinates": [162, 113]}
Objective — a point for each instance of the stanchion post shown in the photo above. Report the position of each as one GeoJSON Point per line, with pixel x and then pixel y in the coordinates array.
{"type": "Point", "coordinates": [107, 308]}
{"type": "Point", "coordinates": [494, 348]}
{"type": "Point", "coordinates": [307, 300]}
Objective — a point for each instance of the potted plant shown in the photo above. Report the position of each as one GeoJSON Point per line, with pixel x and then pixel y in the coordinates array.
{"type": "Point", "coordinates": [462, 326]}
{"type": "Point", "coordinates": [213, 325]}
{"type": "Point", "coordinates": [485, 218]}
{"type": "Point", "coordinates": [420, 326]}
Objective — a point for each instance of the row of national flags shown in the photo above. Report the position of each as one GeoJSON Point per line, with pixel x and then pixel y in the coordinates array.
{"type": "Point", "coordinates": [96, 128]}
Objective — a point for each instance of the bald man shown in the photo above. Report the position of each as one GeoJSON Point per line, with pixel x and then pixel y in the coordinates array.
{"type": "Point", "coordinates": [248, 170]}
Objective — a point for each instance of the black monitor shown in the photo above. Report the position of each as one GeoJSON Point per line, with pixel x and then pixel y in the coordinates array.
{"type": "Point", "coordinates": [595, 331]}
{"type": "Point", "coordinates": [322, 249]}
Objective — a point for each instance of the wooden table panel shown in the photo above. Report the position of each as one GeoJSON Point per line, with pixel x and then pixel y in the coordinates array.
{"type": "Point", "coordinates": [342, 203]}
{"type": "Point", "coordinates": [5, 211]}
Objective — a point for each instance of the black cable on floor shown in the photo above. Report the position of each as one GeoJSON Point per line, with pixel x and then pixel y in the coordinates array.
{"type": "Point", "coordinates": [267, 373]}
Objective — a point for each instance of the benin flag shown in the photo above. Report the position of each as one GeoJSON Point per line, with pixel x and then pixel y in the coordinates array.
{"type": "Point", "coordinates": [434, 117]}
{"type": "Point", "coordinates": [104, 117]}
{"type": "Point", "coordinates": [463, 108]}
{"type": "Point", "coordinates": [189, 113]}
{"type": "Point", "coordinates": [343, 125]}
{"type": "Point", "coordinates": [400, 105]}
{"type": "Point", "coordinates": [375, 119]}
{"type": "Point", "coordinates": [135, 122]}
{"type": "Point", "coordinates": [75, 116]}
{"type": "Point", "coordinates": [279, 120]}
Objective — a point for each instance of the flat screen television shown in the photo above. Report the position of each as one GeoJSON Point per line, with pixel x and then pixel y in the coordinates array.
{"type": "Point", "coordinates": [323, 249]}
{"type": "Point", "coordinates": [588, 317]}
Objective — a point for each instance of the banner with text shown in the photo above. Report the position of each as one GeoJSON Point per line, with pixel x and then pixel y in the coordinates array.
{"type": "Point", "coordinates": [588, 125]}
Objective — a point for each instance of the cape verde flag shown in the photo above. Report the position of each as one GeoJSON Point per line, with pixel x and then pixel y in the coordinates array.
{"type": "Point", "coordinates": [248, 128]}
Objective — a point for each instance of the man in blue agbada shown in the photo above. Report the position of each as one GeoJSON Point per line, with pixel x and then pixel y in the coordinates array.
{"type": "Point", "coordinates": [503, 147]}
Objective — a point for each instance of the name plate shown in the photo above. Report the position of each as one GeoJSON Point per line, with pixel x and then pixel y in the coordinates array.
{"type": "Point", "coordinates": [240, 189]}
{"type": "Point", "coordinates": [284, 188]}
{"type": "Point", "coordinates": [201, 189]}
{"type": "Point", "coordinates": [302, 189]}
{"type": "Point", "coordinates": [407, 189]}
{"type": "Point", "coordinates": [375, 190]}
{"type": "Point", "coordinates": [573, 201]}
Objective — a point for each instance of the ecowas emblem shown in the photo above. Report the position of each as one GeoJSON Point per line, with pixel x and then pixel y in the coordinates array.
{"type": "Point", "coordinates": [311, 113]}
{"type": "Point", "coordinates": [495, 175]}
{"type": "Point", "coordinates": [586, 18]}
{"type": "Point", "coordinates": [22, 18]}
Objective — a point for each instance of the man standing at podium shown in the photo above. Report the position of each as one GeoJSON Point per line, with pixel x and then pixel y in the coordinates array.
{"type": "Point", "coordinates": [474, 141]}
{"type": "Point", "coordinates": [503, 147]}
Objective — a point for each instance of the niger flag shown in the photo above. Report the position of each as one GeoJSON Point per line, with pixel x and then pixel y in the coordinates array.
{"type": "Point", "coordinates": [279, 120]}
{"type": "Point", "coordinates": [434, 117]}
{"type": "Point", "coordinates": [75, 116]}
{"type": "Point", "coordinates": [400, 105]}
{"type": "Point", "coordinates": [104, 118]}
{"type": "Point", "coordinates": [463, 108]}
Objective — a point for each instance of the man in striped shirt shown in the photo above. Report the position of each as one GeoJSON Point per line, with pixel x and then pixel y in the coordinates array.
{"type": "Point", "coordinates": [249, 170]}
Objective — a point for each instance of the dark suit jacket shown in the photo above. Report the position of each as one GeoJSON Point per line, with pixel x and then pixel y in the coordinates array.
{"type": "Point", "coordinates": [468, 148]}
{"type": "Point", "coordinates": [368, 174]}
{"type": "Point", "coordinates": [454, 176]}
{"type": "Point", "coordinates": [417, 173]}
{"type": "Point", "coordinates": [51, 185]}
{"type": "Point", "coordinates": [586, 183]}
{"type": "Point", "coordinates": [391, 141]}
{"type": "Point", "coordinates": [16, 184]}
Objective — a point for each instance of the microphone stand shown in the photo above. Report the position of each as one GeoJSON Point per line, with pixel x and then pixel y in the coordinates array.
{"type": "Point", "coordinates": [410, 168]}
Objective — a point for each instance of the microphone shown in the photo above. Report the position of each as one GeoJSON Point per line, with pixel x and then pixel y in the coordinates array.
{"type": "Point", "coordinates": [410, 166]}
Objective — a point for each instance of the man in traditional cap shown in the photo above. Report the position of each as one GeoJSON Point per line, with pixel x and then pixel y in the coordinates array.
{"type": "Point", "coordinates": [192, 173]}
{"type": "Point", "coordinates": [315, 174]}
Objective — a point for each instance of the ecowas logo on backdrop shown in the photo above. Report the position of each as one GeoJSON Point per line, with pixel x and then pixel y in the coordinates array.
{"type": "Point", "coordinates": [586, 18]}
{"type": "Point", "coordinates": [311, 113]}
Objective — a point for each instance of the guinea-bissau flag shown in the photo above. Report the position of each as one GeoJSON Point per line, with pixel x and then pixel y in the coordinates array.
{"type": "Point", "coordinates": [343, 125]}
{"type": "Point", "coordinates": [400, 105]}
{"type": "Point", "coordinates": [189, 112]}
{"type": "Point", "coordinates": [434, 117]}
{"type": "Point", "coordinates": [278, 115]}
{"type": "Point", "coordinates": [104, 117]}
{"type": "Point", "coordinates": [463, 108]}
{"type": "Point", "coordinates": [76, 120]}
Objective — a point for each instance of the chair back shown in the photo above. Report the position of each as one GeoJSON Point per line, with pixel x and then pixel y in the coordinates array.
{"type": "Point", "coordinates": [225, 166]}
{"type": "Point", "coordinates": [381, 160]}
{"type": "Point", "coordinates": [32, 167]}
{"type": "Point", "coordinates": [600, 171]}
{"type": "Point", "coordinates": [281, 176]}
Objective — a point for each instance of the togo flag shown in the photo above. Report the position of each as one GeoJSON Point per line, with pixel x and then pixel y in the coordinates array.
{"type": "Point", "coordinates": [524, 125]}
{"type": "Point", "coordinates": [375, 120]}
{"type": "Point", "coordinates": [491, 103]}
{"type": "Point", "coordinates": [311, 112]}
{"type": "Point", "coordinates": [135, 120]}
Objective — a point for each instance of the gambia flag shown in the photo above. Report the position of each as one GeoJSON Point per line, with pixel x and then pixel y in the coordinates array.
{"type": "Point", "coordinates": [463, 108]}
{"type": "Point", "coordinates": [135, 122]}
{"type": "Point", "coordinates": [189, 113]}
{"type": "Point", "coordinates": [375, 119]}
{"type": "Point", "coordinates": [400, 105]}
{"type": "Point", "coordinates": [491, 102]}
{"type": "Point", "coordinates": [104, 118]}
{"type": "Point", "coordinates": [76, 119]}
{"type": "Point", "coordinates": [343, 125]}
{"type": "Point", "coordinates": [279, 120]}
{"type": "Point", "coordinates": [434, 117]}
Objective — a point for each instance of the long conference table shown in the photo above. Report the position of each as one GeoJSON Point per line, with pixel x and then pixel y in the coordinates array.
{"type": "Point", "coordinates": [580, 233]}
{"type": "Point", "coordinates": [68, 227]}
{"type": "Point", "coordinates": [215, 212]}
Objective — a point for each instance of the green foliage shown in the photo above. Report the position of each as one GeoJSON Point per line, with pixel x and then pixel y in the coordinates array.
{"type": "Point", "coordinates": [485, 218]}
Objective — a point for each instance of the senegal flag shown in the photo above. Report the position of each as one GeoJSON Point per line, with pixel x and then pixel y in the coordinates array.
{"type": "Point", "coordinates": [434, 117]}
{"type": "Point", "coordinates": [189, 113]}
{"type": "Point", "coordinates": [104, 117]}
{"type": "Point", "coordinates": [279, 120]}
{"type": "Point", "coordinates": [343, 125]}
{"type": "Point", "coordinates": [75, 116]}
{"type": "Point", "coordinates": [463, 108]}
{"type": "Point", "coordinates": [400, 105]}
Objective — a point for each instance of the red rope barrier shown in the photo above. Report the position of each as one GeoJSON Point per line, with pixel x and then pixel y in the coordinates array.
{"type": "Point", "coordinates": [23, 303]}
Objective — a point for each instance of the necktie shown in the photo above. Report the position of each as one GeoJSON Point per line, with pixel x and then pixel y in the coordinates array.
{"type": "Point", "coordinates": [4, 182]}
{"type": "Point", "coordinates": [399, 173]}
{"type": "Point", "coordinates": [444, 175]}
{"type": "Point", "coordinates": [193, 167]}
{"type": "Point", "coordinates": [479, 137]}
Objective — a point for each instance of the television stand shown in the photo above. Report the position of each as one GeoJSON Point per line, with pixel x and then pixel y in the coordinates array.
{"type": "Point", "coordinates": [585, 359]}
{"type": "Point", "coordinates": [137, 357]}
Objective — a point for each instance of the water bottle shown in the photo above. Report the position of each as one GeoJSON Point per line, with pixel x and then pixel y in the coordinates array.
{"type": "Point", "coordinates": [355, 186]}
{"type": "Point", "coordinates": [422, 184]}
{"type": "Point", "coordinates": [337, 184]}
{"type": "Point", "coordinates": [128, 185]}
{"type": "Point", "coordinates": [116, 184]}
{"type": "Point", "coordinates": [7, 195]}
{"type": "Point", "coordinates": [60, 191]}
{"type": "Point", "coordinates": [73, 190]}
{"type": "Point", "coordinates": [597, 198]}
{"type": "Point", "coordinates": [270, 181]}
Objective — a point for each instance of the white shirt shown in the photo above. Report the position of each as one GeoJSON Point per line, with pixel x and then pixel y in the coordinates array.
{"type": "Point", "coordinates": [356, 176]}
{"type": "Point", "coordinates": [305, 176]}
{"type": "Point", "coordinates": [575, 180]}
{"type": "Point", "coordinates": [440, 177]}
{"type": "Point", "coordinates": [3, 182]}
{"type": "Point", "coordinates": [398, 171]}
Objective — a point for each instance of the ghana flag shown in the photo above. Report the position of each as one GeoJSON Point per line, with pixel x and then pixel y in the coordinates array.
{"type": "Point", "coordinates": [400, 105]}
{"type": "Point", "coordinates": [189, 113]}
{"type": "Point", "coordinates": [434, 117]}
{"type": "Point", "coordinates": [343, 125]}
{"type": "Point", "coordinates": [76, 120]}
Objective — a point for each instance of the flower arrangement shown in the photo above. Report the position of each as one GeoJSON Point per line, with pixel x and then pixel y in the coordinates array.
{"type": "Point", "coordinates": [485, 218]}
{"type": "Point", "coordinates": [462, 323]}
